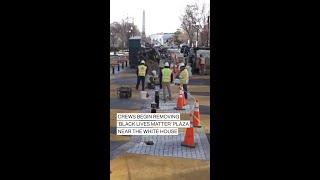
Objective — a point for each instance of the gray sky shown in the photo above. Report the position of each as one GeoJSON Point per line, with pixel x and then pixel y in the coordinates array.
{"type": "Point", "coordinates": [161, 15]}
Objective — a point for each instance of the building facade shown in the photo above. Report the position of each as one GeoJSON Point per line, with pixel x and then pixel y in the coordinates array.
{"type": "Point", "coordinates": [160, 38]}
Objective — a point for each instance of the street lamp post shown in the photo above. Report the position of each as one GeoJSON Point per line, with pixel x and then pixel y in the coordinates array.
{"type": "Point", "coordinates": [130, 34]}
{"type": "Point", "coordinates": [114, 51]}
{"type": "Point", "coordinates": [129, 37]}
{"type": "Point", "coordinates": [197, 37]}
{"type": "Point", "coordinates": [197, 26]}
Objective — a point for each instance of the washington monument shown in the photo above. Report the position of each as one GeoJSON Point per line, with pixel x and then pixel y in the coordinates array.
{"type": "Point", "coordinates": [143, 26]}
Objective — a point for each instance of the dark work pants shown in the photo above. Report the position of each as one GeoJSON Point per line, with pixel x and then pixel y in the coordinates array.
{"type": "Point", "coordinates": [140, 78]}
{"type": "Point", "coordinates": [185, 89]}
{"type": "Point", "coordinates": [160, 81]}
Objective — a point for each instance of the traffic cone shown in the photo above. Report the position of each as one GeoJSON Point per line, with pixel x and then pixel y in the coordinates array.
{"type": "Point", "coordinates": [180, 102]}
{"type": "Point", "coordinates": [184, 98]}
{"type": "Point", "coordinates": [196, 115]}
{"type": "Point", "coordinates": [189, 138]}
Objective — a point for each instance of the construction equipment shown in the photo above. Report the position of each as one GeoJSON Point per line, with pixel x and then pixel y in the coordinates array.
{"type": "Point", "coordinates": [124, 92]}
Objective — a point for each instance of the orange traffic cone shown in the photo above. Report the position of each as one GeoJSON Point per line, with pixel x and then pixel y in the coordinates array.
{"type": "Point", "coordinates": [180, 102]}
{"type": "Point", "coordinates": [184, 98]}
{"type": "Point", "coordinates": [196, 115]}
{"type": "Point", "coordinates": [189, 138]}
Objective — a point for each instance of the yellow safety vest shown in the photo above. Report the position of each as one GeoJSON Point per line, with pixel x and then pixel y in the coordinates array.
{"type": "Point", "coordinates": [142, 70]}
{"type": "Point", "coordinates": [184, 77]}
{"type": "Point", "coordinates": [166, 75]}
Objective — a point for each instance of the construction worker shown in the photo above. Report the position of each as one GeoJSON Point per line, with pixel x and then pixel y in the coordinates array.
{"type": "Point", "coordinates": [152, 80]}
{"type": "Point", "coordinates": [167, 79]}
{"type": "Point", "coordinates": [184, 79]}
{"type": "Point", "coordinates": [141, 74]}
{"type": "Point", "coordinates": [202, 64]}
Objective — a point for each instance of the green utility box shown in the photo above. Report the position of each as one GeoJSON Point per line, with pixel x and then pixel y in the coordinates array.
{"type": "Point", "coordinates": [134, 51]}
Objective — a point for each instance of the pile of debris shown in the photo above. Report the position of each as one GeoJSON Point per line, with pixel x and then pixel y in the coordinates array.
{"type": "Point", "coordinates": [154, 56]}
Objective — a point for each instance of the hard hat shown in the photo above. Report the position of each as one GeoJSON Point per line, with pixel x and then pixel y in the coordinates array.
{"type": "Point", "coordinates": [181, 65]}
{"type": "Point", "coordinates": [154, 72]}
{"type": "Point", "coordinates": [166, 64]}
{"type": "Point", "coordinates": [142, 62]}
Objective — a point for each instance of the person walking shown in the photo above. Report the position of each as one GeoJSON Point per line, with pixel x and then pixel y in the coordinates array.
{"type": "Point", "coordinates": [167, 79]}
{"type": "Point", "coordinates": [141, 74]}
{"type": "Point", "coordinates": [184, 79]}
{"type": "Point", "coordinates": [202, 64]}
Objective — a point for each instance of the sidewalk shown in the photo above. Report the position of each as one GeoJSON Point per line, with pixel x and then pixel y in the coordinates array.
{"type": "Point", "coordinates": [141, 167]}
{"type": "Point", "coordinates": [116, 72]}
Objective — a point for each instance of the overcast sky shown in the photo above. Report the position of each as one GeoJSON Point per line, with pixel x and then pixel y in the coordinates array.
{"type": "Point", "coordinates": [161, 15]}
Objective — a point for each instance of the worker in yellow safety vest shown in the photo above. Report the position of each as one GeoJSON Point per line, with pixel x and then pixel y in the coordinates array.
{"type": "Point", "coordinates": [184, 79]}
{"type": "Point", "coordinates": [141, 74]}
{"type": "Point", "coordinates": [167, 79]}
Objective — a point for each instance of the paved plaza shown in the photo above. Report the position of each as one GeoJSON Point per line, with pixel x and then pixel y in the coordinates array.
{"type": "Point", "coordinates": [170, 145]}
{"type": "Point", "coordinates": [166, 145]}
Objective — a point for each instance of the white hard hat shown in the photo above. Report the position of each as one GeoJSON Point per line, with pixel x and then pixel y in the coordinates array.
{"type": "Point", "coordinates": [166, 64]}
{"type": "Point", "coordinates": [142, 62]}
{"type": "Point", "coordinates": [181, 64]}
{"type": "Point", "coordinates": [154, 72]}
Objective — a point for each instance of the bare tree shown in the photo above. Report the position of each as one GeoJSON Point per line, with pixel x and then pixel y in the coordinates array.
{"type": "Point", "coordinates": [127, 30]}
{"type": "Point", "coordinates": [183, 36]}
{"type": "Point", "coordinates": [193, 20]}
{"type": "Point", "coordinates": [114, 34]}
{"type": "Point", "coordinates": [120, 32]}
{"type": "Point", "coordinates": [188, 20]}
{"type": "Point", "coordinates": [204, 35]}
{"type": "Point", "coordinates": [204, 18]}
{"type": "Point", "coordinates": [176, 37]}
